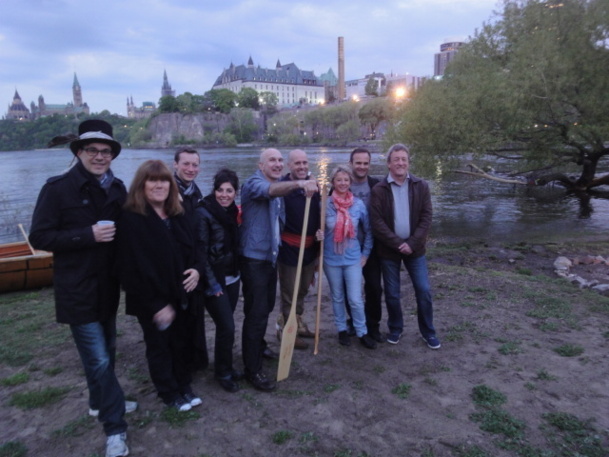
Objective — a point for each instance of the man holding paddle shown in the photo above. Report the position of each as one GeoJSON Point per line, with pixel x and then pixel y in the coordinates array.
{"type": "Point", "coordinates": [298, 164]}
{"type": "Point", "coordinates": [263, 219]}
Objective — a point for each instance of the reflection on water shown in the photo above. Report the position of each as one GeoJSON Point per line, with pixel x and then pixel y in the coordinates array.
{"type": "Point", "coordinates": [463, 206]}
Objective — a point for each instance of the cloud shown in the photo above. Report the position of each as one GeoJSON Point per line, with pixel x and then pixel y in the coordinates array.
{"type": "Point", "coordinates": [120, 49]}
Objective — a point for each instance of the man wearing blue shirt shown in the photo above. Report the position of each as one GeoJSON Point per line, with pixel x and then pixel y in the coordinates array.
{"type": "Point", "coordinates": [263, 218]}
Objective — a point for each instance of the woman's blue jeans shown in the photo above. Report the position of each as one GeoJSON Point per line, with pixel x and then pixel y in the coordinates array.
{"type": "Point", "coordinates": [350, 278]}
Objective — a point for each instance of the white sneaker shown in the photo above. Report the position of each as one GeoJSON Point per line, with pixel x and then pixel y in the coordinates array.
{"type": "Point", "coordinates": [116, 445]}
{"type": "Point", "coordinates": [180, 404]}
{"type": "Point", "coordinates": [192, 399]}
{"type": "Point", "coordinates": [130, 406]}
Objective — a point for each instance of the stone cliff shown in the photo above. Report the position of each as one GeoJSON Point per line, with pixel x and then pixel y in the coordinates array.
{"type": "Point", "coordinates": [168, 127]}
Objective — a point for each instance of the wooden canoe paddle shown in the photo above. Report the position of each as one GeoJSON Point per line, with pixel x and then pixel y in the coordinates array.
{"type": "Point", "coordinates": [27, 240]}
{"type": "Point", "coordinates": [322, 226]}
{"type": "Point", "coordinates": [288, 337]}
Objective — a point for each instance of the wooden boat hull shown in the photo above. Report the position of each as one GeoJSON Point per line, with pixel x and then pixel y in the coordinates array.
{"type": "Point", "coordinates": [22, 270]}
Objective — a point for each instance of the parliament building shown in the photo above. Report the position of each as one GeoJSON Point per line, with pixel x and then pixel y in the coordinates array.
{"type": "Point", "coordinates": [18, 111]}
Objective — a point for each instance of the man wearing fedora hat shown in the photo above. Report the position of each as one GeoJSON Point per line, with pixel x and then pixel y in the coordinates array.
{"type": "Point", "coordinates": [74, 218]}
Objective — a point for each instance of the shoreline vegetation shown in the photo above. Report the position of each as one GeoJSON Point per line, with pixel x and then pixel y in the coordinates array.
{"type": "Point", "coordinates": [288, 128]}
{"type": "Point", "coordinates": [521, 372]}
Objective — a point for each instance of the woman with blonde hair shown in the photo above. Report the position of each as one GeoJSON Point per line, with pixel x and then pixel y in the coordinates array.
{"type": "Point", "coordinates": [344, 258]}
{"type": "Point", "coordinates": [157, 264]}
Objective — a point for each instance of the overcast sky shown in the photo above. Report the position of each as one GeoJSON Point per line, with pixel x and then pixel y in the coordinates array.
{"type": "Point", "coordinates": [119, 48]}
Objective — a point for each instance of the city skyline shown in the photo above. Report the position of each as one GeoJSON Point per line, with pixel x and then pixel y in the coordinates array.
{"type": "Point", "coordinates": [121, 49]}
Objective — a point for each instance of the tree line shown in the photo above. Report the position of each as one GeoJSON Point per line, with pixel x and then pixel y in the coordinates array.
{"type": "Point", "coordinates": [229, 119]}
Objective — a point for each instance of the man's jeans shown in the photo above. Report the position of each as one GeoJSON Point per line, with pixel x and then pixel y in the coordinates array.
{"type": "Point", "coordinates": [350, 278]}
{"type": "Point", "coordinates": [96, 344]}
{"type": "Point", "coordinates": [259, 279]}
{"type": "Point", "coordinates": [417, 270]}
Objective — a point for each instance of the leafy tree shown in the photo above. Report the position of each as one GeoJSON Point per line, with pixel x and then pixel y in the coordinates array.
{"type": "Point", "coordinates": [198, 104]}
{"type": "Point", "coordinates": [371, 87]}
{"type": "Point", "coordinates": [139, 133]}
{"type": "Point", "coordinates": [284, 127]}
{"type": "Point", "coordinates": [324, 121]}
{"type": "Point", "coordinates": [348, 131]}
{"type": "Point", "coordinates": [222, 100]}
{"type": "Point", "coordinates": [376, 111]}
{"type": "Point", "coordinates": [531, 87]}
{"type": "Point", "coordinates": [168, 104]}
{"type": "Point", "coordinates": [248, 98]}
{"type": "Point", "coordinates": [242, 125]}
{"type": "Point", "coordinates": [185, 103]}
{"type": "Point", "coordinates": [269, 102]}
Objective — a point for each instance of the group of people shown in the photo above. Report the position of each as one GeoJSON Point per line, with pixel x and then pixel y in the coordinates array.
{"type": "Point", "coordinates": [176, 253]}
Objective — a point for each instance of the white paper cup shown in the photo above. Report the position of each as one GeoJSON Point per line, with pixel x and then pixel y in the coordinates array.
{"type": "Point", "coordinates": [105, 222]}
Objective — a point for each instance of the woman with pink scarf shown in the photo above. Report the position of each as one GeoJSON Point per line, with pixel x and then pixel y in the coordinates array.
{"type": "Point", "coordinates": [343, 257]}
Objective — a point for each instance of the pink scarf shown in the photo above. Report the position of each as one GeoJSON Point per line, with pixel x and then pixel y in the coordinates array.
{"type": "Point", "coordinates": [344, 224]}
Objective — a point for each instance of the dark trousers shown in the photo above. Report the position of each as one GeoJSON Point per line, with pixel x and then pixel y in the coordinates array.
{"type": "Point", "coordinates": [373, 293]}
{"type": "Point", "coordinates": [259, 279]}
{"type": "Point", "coordinates": [221, 310]}
{"type": "Point", "coordinates": [199, 360]}
{"type": "Point", "coordinates": [167, 356]}
{"type": "Point", "coordinates": [96, 344]}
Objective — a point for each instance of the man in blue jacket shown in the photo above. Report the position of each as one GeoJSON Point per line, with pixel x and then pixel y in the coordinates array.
{"type": "Point", "coordinates": [263, 219]}
{"type": "Point", "coordinates": [74, 218]}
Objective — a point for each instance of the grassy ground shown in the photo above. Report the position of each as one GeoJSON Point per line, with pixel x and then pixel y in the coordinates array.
{"type": "Point", "coordinates": [522, 372]}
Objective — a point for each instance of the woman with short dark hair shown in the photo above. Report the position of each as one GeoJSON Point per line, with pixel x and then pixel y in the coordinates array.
{"type": "Point", "coordinates": [157, 264]}
{"type": "Point", "coordinates": [218, 234]}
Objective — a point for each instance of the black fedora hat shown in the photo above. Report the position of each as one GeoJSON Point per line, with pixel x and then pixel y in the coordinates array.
{"type": "Point", "coordinates": [95, 131]}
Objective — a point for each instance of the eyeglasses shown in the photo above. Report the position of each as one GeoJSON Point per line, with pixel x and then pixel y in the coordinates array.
{"type": "Point", "coordinates": [92, 152]}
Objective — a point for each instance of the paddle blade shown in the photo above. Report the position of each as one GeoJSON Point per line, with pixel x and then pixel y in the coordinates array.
{"type": "Point", "coordinates": [288, 338]}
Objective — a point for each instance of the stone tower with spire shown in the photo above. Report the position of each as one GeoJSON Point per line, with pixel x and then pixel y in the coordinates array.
{"type": "Point", "coordinates": [17, 110]}
{"type": "Point", "coordinates": [76, 92]}
{"type": "Point", "coordinates": [166, 90]}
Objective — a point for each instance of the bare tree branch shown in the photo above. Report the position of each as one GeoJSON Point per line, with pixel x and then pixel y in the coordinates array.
{"type": "Point", "coordinates": [483, 174]}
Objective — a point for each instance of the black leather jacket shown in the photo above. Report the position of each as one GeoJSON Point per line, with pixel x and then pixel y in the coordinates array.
{"type": "Point", "coordinates": [219, 241]}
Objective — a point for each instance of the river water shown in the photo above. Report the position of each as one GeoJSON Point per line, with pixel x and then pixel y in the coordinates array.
{"type": "Point", "coordinates": [464, 207]}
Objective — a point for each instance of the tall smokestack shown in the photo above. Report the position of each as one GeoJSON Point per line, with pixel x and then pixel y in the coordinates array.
{"type": "Point", "coordinates": [341, 68]}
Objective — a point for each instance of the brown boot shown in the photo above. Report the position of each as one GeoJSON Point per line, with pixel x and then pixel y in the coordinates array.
{"type": "Point", "coordinates": [303, 330]}
{"type": "Point", "coordinates": [299, 343]}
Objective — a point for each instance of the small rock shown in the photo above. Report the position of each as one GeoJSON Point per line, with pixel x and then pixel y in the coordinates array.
{"type": "Point", "coordinates": [579, 281]}
{"type": "Point", "coordinates": [601, 288]}
{"type": "Point", "coordinates": [562, 263]}
{"type": "Point", "coordinates": [587, 260]}
{"type": "Point", "coordinates": [538, 250]}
